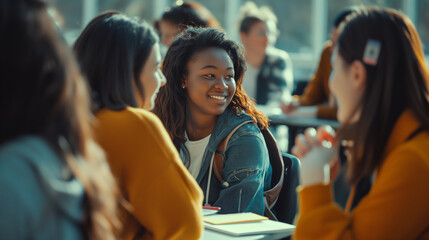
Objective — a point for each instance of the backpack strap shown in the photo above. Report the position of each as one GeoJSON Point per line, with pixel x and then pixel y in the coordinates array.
{"type": "Point", "coordinates": [277, 165]}
{"type": "Point", "coordinates": [220, 151]}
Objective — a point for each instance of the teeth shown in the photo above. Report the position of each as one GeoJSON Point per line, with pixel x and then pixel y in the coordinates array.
{"type": "Point", "coordinates": [218, 97]}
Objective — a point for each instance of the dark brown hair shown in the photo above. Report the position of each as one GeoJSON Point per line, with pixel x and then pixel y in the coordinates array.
{"type": "Point", "coordinates": [171, 101]}
{"type": "Point", "coordinates": [190, 14]}
{"type": "Point", "coordinates": [42, 93]}
{"type": "Point", "coordinates": [111, 52]}
{"type": "Point", "coordinates": [395, 83]}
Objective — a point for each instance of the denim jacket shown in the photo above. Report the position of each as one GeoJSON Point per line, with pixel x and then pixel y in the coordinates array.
{"type": "Point", "coordinates": [246, 167]}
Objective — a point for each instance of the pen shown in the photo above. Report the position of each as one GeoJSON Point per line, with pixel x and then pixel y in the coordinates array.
{"type": "Point", "coordinates": [214, 208]}
{"type": "Point", "coordinates": [239, 200]}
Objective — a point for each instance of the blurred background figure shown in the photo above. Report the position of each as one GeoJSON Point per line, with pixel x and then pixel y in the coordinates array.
{"type": "Point", "coordinates": [120, 58]}
{"type": "Point", "coordinates": [54, 181]}
{"type": "Point", "coordinates": [317, 100]}
{"type": "Point", "coordinates": [182, 15]}
{"type": "Point", "coordinates": [269, 76]}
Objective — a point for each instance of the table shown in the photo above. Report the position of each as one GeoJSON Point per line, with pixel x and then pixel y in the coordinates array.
{"type": "Point", "coordinates": [295, 124]}
{"type": "Point", "coordinates": [213, 235]}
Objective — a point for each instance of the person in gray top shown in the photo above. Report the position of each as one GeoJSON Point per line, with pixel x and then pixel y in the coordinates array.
{"type": "Point", "coordinates": [54, 181]}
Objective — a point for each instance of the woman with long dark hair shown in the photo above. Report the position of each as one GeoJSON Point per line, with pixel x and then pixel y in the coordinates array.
{"type": "Point", "coordinates": [54, 181]}
{"type": "Point", "coordinates": [380, 82]}
{"type": "Point", "coordinates": [120, 57]}
{"type": "Point", "coordinates": [202, 102]}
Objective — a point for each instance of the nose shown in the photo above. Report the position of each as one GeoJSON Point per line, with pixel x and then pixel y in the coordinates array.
{"type": "Point", "coordinates": [221, 83]}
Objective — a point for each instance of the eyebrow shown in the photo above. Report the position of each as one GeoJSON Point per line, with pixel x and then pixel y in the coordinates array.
{"type": "Point", "coordinates": [212, 66]}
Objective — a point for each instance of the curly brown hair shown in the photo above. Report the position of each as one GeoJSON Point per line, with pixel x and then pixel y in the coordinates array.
{"type": "Point", "coordinates": [170, 105]}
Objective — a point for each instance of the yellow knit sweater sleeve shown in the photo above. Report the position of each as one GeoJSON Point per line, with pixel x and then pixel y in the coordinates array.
{"type": "Point", "coordinates": [395, 208]}
{"type": "Point", "coordinates": [166, 200]}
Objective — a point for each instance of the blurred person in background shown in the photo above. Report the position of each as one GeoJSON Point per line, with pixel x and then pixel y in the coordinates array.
{"type": "Point", "coordinates": [54, 180]}
{"type": "Point", "coordinates": [317, 101]}
{"type": "Point", "coordinates": [268, 78]}
{"type": "Point", "coordinates": [181, 16]}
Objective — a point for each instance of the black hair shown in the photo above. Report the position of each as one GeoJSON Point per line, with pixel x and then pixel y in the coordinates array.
{"type": "Point", "coordinates": [341, 16]}
{"type": "Point", "coordinates": [112, 51]}
{"type": "Point", "coordinates": [394, 83]}
{"type": "Point", "coordinates": [170, 105]}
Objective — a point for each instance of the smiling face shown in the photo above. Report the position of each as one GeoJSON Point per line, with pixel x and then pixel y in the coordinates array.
{"type": "Point", "coordinates": [210, 83]}
{"type": "Point", "coordinates": [151, 78]}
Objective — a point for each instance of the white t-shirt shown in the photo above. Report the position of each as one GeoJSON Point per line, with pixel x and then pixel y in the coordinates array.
{"type": "Point", "coordinates": [196, 150]}
{"type": "Point", "coordinates": [250, 81]}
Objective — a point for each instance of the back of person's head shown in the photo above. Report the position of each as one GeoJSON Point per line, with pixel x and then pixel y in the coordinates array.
{"type": "Point", "coordinates": [171, 102]}
{"type": "Point", "coordinates": [190, 14]}
{"type": "Point", "coordinates": [396, 78]}
{"type": "Point", "coordinates": [42, 93]}
{"type": "Point", "coordinates": [342, 15]}
{"type": "Point", "coordinates": [252, 14]}
{"type": "Point", "coordinates": [112, 51]}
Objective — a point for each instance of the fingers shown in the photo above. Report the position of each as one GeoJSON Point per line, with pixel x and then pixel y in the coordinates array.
{"type": "Point", "coordinates": [325, 132]}
{"type": "Point", "coordinates": [305, 142]}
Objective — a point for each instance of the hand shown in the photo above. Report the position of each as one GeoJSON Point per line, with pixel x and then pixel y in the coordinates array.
{"type": "Point", "coordinates": [288, 107]}
{"type": "Point", "coordinates": [314, 149]}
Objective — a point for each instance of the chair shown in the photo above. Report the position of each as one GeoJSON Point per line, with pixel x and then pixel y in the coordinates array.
{"type": "Point", "coordinates": [286, 205]}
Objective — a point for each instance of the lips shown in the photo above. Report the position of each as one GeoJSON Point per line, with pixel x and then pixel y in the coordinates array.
{"type": "Point", "coordinates": [218, 97]}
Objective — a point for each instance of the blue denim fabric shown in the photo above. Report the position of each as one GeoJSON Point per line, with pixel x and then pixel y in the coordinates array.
{"type": "Point", "coordinates": [39, 197]}
{"type": "Point", "coordinates": [246, 166]}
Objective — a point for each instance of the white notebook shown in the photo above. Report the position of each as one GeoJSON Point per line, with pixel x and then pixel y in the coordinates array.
{"type": "Point", "coordinates": [261, 227]}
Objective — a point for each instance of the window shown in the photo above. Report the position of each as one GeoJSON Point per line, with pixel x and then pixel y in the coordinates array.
{"type": "Point", "coordinates": [139, 8]}
{"type": "Point", "coordinates": [335, 6]}
{"type": "Point", "coordinates": [294, 24]}
{"type": "Point", "coordinates": [423, 23]}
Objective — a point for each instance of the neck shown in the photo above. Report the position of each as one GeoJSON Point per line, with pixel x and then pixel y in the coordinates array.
{"type": "Point", "coordinates": [254, 59]}
{"type": "Point", "coordinates": [199, 127]}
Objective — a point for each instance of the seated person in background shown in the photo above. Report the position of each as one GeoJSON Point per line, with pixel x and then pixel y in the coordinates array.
{"type": "Point", "coordinates": [316, 101]}
{"type": "Point", "coordinates": [120, 58]}
{"type": "Point", "coordinates": [269, 77]}
{"type": "Point", "coordinates": [54, 180]}
{"type": "Point", "coordinates": [384, 111]}
{"type": "Point", "coordinates": [178, 18]}
{"type": "Point", "coordinates": [201, 103]}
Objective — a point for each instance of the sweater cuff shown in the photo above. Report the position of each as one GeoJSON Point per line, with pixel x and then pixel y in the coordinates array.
{"type": "Point", "coordinates": [326, 112]}
{"type": "Point", "coordinates": [314, 196]}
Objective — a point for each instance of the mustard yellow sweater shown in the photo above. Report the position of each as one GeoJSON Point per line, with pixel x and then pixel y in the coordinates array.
{"type": "Point", "coordinates": [397, 206]}
{"type": "Point", "coordinates": [165, 198]}
{"type": "Point", "coordinates": [317, 91]}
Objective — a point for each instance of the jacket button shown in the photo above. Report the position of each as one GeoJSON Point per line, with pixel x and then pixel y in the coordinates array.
{"type": "Point", "coordinates": [225, 184]}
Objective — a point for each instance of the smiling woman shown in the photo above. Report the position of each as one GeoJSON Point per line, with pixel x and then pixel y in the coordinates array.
{"type": "Point", "coordinates": [202, 101]}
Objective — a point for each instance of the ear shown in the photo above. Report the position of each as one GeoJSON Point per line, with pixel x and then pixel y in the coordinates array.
{"type": "Point", "coordinates": [243, 37]}
{"type": "Point", "coordinates": [358, 74]}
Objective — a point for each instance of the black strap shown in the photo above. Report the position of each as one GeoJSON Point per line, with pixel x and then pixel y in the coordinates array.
{"type": "Point", "coordinates": [413, 134]}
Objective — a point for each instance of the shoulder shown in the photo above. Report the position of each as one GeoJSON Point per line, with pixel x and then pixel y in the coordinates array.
{"type": "Point", "coordinates": [129, 115]}
{"type": "Point", "coordinates": [275, 55]}
{"type": "Point", "coordinates": [326, 52]}
{"type": "Point", "coordinates": [133, 133]}
{"type": "Point", "coordinates": [19, 178]}
{"type": "Point", "coordinates": [410, 158]}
